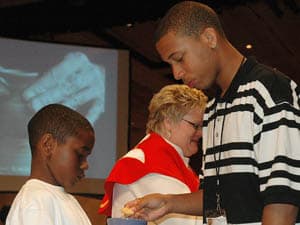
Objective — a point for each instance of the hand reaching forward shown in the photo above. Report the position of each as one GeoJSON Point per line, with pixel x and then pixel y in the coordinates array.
{"type": "Point", "coordinates": [149, 207]}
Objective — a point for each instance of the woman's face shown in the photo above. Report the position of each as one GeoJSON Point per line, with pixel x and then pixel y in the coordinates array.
{"type": "Point", "coordinates": [187, 132]}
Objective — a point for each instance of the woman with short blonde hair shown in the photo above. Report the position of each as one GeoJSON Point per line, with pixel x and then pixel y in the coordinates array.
{"type": "Point", "coordinates": [159, 162]}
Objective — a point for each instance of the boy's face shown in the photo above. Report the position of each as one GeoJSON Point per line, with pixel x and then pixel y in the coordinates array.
{"type": "Point", "coordinates": [68, 161]}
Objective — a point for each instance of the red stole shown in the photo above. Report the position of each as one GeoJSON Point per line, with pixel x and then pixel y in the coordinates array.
{"type": "Point", "coordinates": [160, 157]}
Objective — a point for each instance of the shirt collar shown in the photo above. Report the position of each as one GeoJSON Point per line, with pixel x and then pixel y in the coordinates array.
{"type": "Point", "coordinates": [179, 150]}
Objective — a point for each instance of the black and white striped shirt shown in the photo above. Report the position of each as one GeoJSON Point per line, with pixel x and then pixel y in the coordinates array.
{"type": "Point", "coordinates": [251, 136]}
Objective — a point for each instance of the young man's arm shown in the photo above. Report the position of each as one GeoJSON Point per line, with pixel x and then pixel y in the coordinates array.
{"type": "Point", "coordinates": [279, 214]}
{"type": "Point", "coordinates": [154, 206]}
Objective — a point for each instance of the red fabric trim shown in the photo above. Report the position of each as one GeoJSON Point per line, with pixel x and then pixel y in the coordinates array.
{"type": "Point", "coordinates": [160, 157]}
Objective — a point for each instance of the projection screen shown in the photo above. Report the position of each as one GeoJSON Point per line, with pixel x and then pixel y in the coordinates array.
{"type": "Point", "coordinates": [92, 80]}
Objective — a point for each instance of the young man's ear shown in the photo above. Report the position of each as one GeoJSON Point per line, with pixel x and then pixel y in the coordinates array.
{"type": "Point", "coordinates": [209, 35]}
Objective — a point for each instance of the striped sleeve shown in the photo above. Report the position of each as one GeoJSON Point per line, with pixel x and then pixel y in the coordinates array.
{"type": "Point", "coordinates": [277, 142]}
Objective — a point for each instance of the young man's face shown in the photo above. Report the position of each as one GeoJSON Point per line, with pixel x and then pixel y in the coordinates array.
{"type": "Point", "coordinates": [191, 58]}
{"type": "Point", "coordinates": [68, 161]}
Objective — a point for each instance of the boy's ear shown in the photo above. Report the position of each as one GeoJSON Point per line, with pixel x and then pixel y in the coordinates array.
{"type": "Point", "coordinates": [47, 144]}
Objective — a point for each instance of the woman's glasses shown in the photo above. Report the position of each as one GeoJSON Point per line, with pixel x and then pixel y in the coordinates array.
{"type": "Point", "coordinates": [197, 126]}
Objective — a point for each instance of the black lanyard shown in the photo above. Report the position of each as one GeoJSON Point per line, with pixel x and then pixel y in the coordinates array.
{"type": "Point", "coordinates": [218, 194]}
{"type": "Point", "coordinates": [217, 162]}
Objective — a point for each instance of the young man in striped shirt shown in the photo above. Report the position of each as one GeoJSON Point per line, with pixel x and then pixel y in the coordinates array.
{"type": "Point", "coordinates": [251, 133]}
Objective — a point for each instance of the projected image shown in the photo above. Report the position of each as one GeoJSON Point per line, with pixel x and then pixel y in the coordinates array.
{"type": "Point", "coordinates": [74, 82]}
{"type": "Point", "coordinates": [33, 74]}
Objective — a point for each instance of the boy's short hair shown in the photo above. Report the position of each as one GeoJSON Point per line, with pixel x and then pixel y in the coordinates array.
{"type": "Point", "coordinates": [58, 120]}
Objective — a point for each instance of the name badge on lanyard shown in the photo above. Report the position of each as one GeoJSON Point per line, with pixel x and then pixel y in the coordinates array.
{"type": "Point", "coordinates": [216, 217]}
